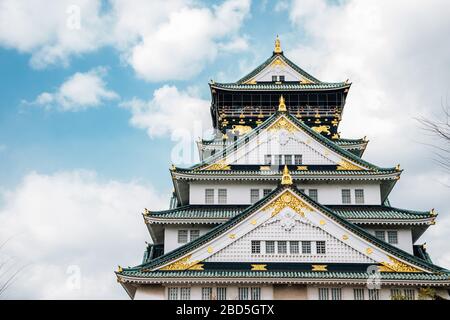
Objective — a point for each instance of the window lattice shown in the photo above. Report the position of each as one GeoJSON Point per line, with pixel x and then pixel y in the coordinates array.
{"type": "Point", "coordinates": [359, 196]}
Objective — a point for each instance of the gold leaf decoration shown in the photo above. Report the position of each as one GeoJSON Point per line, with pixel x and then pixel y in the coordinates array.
{"type": "Point", "coordinates": [286, 199]}
{"type": "Point", "coordinates": [220, 165]}
{"type": "Point", "coordinates": [396, 266]}
{"type": "Point", "coordinates": [319, 267]}
{"type": "Point", "coordinates": [197, 266]}
{"type": "Point", "coordinates": [181, 264]}
{"type": "Point", "coordinates": [345, 165]}
{"type": "Point", "coordinates": [259, 267]}
{"type": "Point", "coordinates": [283, 124]}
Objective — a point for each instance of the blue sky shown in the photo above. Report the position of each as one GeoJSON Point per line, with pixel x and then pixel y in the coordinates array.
{"type": "Point", "coordinates": [75, 172]}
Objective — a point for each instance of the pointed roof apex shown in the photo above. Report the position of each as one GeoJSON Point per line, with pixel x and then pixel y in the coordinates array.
{"type": "Point", "coordinates": [286, 180]}
{"type": "Point", "coordinates": [277, 48]}
{"type": "Point", "coordinates": [282, 105]}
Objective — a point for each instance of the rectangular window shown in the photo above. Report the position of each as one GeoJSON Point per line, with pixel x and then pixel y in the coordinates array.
{"type": "Point", "coordinates": [336, 294]}
{"type": "Point", "coordinates": [380, 235]}
{"type": "Point", "coordinates": [274, 78]}
{"type": "Point", "coordinates": [172, 293]}
{"type": "Point", "coordinates": [293, 247]}
{"type": "Point", "coordinates": [313, 194]}
{"type": "Point", "coordinates": [320, 247]}
{"type": "Point", "coordinates": [254, 195]}
{"type": "Point", "coordinates": [358, 294]}
{"type": "Point", "coordinates": [306, 247]}
{"type": "Point", "coordinates": [182, 236]}
{"type": "Point", "coordinates": [268, 159]}
{"type": "Point", "coordinates": [374, 294]}
{"type": "Point", "coordinates": [396, 294]}
{"type": "Point", "coordinates": [288, 159]}
{"type": "Point", "coordinates": [222, 196]}
{"type": "Point", "coordinates": [185, 293]}
{"type": "Point", "coordinates": [256, 247]}
{"type": "Point", "coordinates": [243, 293]}
{"type": "Point", "coordinates": [346, 197]}
{"type": "Point", "coordinates": [278, 159]}
{"type": "Point", "coordinates": [209, 196]}
{"type": "Point", "coordinates": [359, 196]}
{"type": "Point", "coordinates": [221, 293]}
{"type": "Point", "coordinates": [323, 294]}
{"type": "Point", "coordinates": [298, 159]}
{"type": "Point", "coordinates": [392, 237]}
{"type": "Point", "coordinates": [282, 78]}
{"type": "Point", "coordinates": [206, 293]}
{"type": "Point", "coordinates": [270, 247]}
{"type": "Point", "coordinates": [194, 234]}
{"type": "Point", "coordinates": [410, 294]}
{"type": "Point", "coordinates": [255, 293]}
{"type": "Point", "coordinates": [282, 247]}
{"type": "Point", "coordinates": [266, 192]}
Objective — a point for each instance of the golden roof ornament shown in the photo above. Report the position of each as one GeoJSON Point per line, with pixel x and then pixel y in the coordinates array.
{"type": "Point", "coordinates": [286, 180]}
{"type": "Point", "coordinates": [282, 105]}
{"type": "Point", "coordinates": [277, 46]}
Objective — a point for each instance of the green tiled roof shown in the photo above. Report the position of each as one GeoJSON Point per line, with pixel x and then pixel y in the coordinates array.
{"type": "Point", "coordinates": [224, 227]}
{"type": "Point", "coordinates": [347, 212]}
{"type": "Point", "coordinates": [284, 86]}
{"type": "Point", "coordinates": [270, 60]}
{"type": "Point", "coordinates": [284, 275]}
{"type": "Point", "coordinates": [349, 142]}
{"type": "Point", "coordinates": [242, 140]}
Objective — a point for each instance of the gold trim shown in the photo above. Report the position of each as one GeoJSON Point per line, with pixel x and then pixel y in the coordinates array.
{"type": "Point", "coordinates": [282, 105]}
{"type": "Point", "coordinates": [319, 267]}
{"type": "Point", "coordinates": [210, 249]}
{"type": "Point", "coordinates": [322, 222]}
{"type": "Point", "coordinates": [232, 236]}
{"type": "Point", "coordinates": [369, 250]}
{"type": "Point", "coordinates": [264, 168]}
{"type": "Point", "coordinates": [197, 266]}
{"type": "Point", "coordinates": [345, 237]}
{"type": "Point", "coordinates": [286, 179]}
{"type": "Point", "coordinates": [259, 267]}
{"type": "Point", "coordinates": [287, 199]}
{"type": "Point", "coordinates": [346, 165]}
{"type": "Point", "coordinates": [220, 165]}
{"type": "Point", "coordinates": [396, 266]}
{"type": "Point", "coordinates": [180, 264]}
{"type": "Point", "coordinates": [283, 123]}
{"type": "Point", "coordinates": [302, 168]}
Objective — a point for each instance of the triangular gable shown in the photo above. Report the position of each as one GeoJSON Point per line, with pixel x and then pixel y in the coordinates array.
{"type": "Point", "coordinates": [278, 64]}
{"type": "Point", "coordinates": [289, 128]}
{"type": "Point", "coordinates": [190, 256]}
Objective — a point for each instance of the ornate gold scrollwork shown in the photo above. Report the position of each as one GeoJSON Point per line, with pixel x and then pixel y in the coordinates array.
{"type": "Point", "coordinates": [345, 165]}
{"type": "Point", "coordinates": [396, 266]}
{"type": "Point", "coordinates": [287, 199]}
{"type": "Point", "coordinates": [319, 267]}
{"type": "Point", "coordinates": [259, 267]}
{"type": "Point", "coordinates": [220, 165]}
{"type": "Point", "coordinates": [283, 124]}
{"type": "Point", "coordinates": [181, 264]}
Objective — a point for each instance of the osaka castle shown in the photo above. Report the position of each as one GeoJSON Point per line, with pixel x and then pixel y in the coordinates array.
{"type": "Point", "coordinates": [282, 207]}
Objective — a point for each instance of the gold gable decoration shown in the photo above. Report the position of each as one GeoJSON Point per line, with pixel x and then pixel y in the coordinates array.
{"type": "Point", "coordinates": [282, 105]}
{"type": "Point", "coordinates": [396, 266]}
{"type": "Point", "coordinates": [219, 166]}
{"type": "Point", "coordinates": [181, 264]}
{"type": "Point", "coordinates": [287, 199]}
{"type": "Point", "coordinates": [345, 165]}
{"type": "Point", "coordinates": [283, 124]}
{"type": "Point", "coordinates": [286, 179]}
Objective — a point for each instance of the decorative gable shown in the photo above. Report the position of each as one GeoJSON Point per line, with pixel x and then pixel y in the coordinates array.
{"type": "Point", "coordinates": [288, 217]}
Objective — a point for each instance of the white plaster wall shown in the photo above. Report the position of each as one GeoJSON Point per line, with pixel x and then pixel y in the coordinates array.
{"type": "Point", "coordinates": [171, 234]}
{"type": "Point", "coordinates": [150, 292]}
{"type": "Point", "coordinates": [404, 237]}
{"type": "Point", "coordinates": [347, 292]}
{"type": "Point", "coordinates": [328, 193]}
{"type": "Point", "coordinates": [278, 70]}
{"type": "Point", "coordinates": [232, 291]}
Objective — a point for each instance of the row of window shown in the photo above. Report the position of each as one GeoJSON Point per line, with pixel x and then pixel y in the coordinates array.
{"type": "Point", "coordinates": [360, 294]}
{"type": "Point", "coordinates": [255, 195]}
{"type": "Point", "coordinates": [283, 159]}
{"type": "Point", "coordinates": [209, 293]}
{"type": "Point", "coordinates": [283, 247]}
{"type": "Point", "coordinates": [185, 236]}
{"type": "Point", "coordinates": [392, 236]}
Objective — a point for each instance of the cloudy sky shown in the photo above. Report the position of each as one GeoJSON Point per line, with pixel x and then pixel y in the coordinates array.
{"type": "Point", "coordinates": [93, 112]}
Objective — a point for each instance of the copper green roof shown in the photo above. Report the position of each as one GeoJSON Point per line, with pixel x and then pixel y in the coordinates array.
{"type": "Point", "coordinates": [284, 86]}
{"type": "Point", "coordinates": [283, 275]}
{"type": "Point", "coordinates": [224, 227]}
{"type": "Point", "coordinates": [349, 142]}
{"type": "Point", "coordinates": [369, 212]}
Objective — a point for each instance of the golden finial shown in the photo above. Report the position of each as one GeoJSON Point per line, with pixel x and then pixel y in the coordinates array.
{"type": "Point", "coordinates": [120, 269]}
{"type": "Point", "coordinates": [277, 46]}
{"type": "Point", "coordinates": [286, 179]}
{"type": "Point", "coordinates": [172, 167]}
{"type": "Point", "coordinates": [282, 105]}
{"type": "Point", "coordinates": [397, 168]}
{"type": "Point", "coordinates": [147, 212]}
{"type": "Point", "coordinates": [433, 212]}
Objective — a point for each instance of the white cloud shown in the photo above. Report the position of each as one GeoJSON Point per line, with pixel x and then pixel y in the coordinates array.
{"type": "Point", "coordinates": [394, 54]}
{"type": "Point", "coordinates": [79, 92]}
{"type": "Point", "coordinates": [74, 219]}
{"type": "Point", "coordinates": [160, 40]}
{"type": "Point", "coordinates": [170, 111]}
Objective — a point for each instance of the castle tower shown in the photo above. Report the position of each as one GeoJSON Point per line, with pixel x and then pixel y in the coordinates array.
{"type": "Point", "coordinates": [282, 207]}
